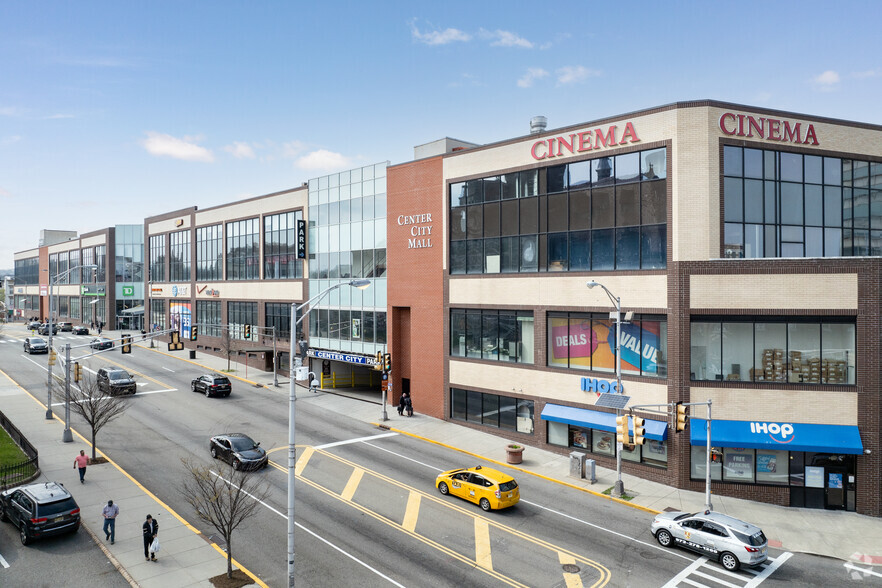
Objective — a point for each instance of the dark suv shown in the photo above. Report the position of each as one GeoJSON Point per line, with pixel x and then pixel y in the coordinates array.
{"type": "Point", "coordinates": [115, 381]}
{"type": "Point", "coordinates": [40, 510]}
{"type": "Point", "coordinates": [212, 385]}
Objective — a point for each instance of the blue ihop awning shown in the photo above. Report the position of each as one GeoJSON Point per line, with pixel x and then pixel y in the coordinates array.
{"type": "Point", "coordinates": [783, 436]}
{"type": "Point", "coordinates": [593, 419]}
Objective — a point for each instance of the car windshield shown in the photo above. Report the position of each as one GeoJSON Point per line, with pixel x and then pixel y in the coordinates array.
{"type": "Point", "coordinates": [53, 508]}
{"type": "Point", "coordinates": [242, 443]}
{"type": "Point", "coordinates": [506, 486]}
{"type": "Point", "coordinates": [33, 341]}
{"type": "Point", "coordinates": [118, 376]}
{"type": "Point", "coordinates": [753, 540]}
{"type": "Point", "coordinates": [683, 516]}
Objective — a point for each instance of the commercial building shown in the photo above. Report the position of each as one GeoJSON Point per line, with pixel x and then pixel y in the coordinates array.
{"type": "Point", "coordinates": [226, 276]}
{"type": "Point", "coordinates": [746, 243]}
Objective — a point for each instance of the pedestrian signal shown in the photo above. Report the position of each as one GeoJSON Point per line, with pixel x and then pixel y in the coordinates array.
{"type": "Point", "coordinates": [126, 343]}
{"type": "Point", "coordinates": [78, 372]}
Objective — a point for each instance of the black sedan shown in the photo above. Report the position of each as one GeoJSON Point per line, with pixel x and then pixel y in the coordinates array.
{"type": "Point", "coordinates": [80, 330]}
{"type": "Point", "coordinates": [239, 450]}
{"type": "Point", "coordinates": [212, 385]}
{"type": "Point", "coordinates": [101, 343]}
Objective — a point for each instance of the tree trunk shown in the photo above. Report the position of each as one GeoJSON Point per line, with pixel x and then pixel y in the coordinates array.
{"type": "Point", "coordinates": [94, 454]}
{"type": "Point", "coordinates": [229, 558]}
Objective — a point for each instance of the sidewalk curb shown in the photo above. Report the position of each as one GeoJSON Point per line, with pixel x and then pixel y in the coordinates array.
{"type": "Point", "coordinates": [522, 470]}
{"type": "Point", "coordinates": [119, 567]}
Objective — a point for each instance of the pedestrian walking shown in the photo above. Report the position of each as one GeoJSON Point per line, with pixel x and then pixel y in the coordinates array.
{"type": "Point", "coordinates": [151, 530]}
{"type": "Point", "coordinates": [111, 511]}
{"type": "Point", "coordinates": [405, 404]}
{"type": "Point", "coordinates": [81, 461]}
{"type": "Point", "coordinates": [99, 328]}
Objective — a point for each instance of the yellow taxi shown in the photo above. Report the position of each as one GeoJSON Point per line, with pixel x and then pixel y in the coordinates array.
{"type": "Point", "coordinates": [486, 487]}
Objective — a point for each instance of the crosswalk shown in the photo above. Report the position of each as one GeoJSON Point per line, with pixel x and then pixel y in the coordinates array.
{"type": "Point", "coordinates": [59, 337]}
{"type": "Point", "coordinates": [703, 573]}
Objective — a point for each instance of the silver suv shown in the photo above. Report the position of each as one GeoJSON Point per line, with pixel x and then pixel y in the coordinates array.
{"type": "Point", "coordinates": [730, 541]}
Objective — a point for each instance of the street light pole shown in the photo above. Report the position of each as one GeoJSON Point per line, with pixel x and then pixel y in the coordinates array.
{"type": "Point", "coordinates": [66, 436]}
{"type": "Point", "coordinates": [275, 355]}
{"type": "Point", "coordinates": [619, 487]}
{"type": "Point", "coordinates": [294, 365]}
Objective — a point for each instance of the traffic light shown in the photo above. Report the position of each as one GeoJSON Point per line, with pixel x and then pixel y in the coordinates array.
{"type": "Point", "coordinates": [379, 361]}
{"type": "Point", "coordinates": [387, 362]}
{"type": "Point", "coordinates": [638, 430]}
{"type": "Point", "coordinates": [78, 371]}
{"type": "Point", "coordinates": [126, 343]}
{"type": "Point", "coordinates": [682, 417]}
{"type": "Point", "coordinates": [194, 332]}
{"type": "Point", "coordinates": [622, 430]}
{"type": "Point", "coordinates": [175, 343]}
{"type": "Point", "coordinates": [52, 356]}
{"type": "Point", "coordinates": [247, 333]}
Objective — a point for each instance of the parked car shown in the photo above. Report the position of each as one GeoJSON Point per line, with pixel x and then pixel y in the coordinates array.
{"type": "Point", "coordinates": [40, 510]}
{"type": "Point", "coordinates": [34, 345]}
{"type": "Point", "coordinates": [114, 381]}
{"type": "Point", "coordinates": [239, 450]}
{"type": "Point", "coordinates": [101, 343]}
{"type": "Point", "coordinates": [212, 385]}
{"type": "Point", "coordinates": [44, 329]}
{"type": "Point", "coordinates": [80, 330]}
{"type": "Point", "coordinates": [65, 327]}
{"type": "Point", "coordinates": [486, 487]}
{"type": "Point", "coordinates": [34, 325]}
{"type": "Point", "coordinates": [730, 541]}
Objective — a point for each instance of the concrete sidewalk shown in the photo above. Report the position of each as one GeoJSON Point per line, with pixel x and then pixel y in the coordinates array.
{"type": "Point", "coordinates": [188, 559]}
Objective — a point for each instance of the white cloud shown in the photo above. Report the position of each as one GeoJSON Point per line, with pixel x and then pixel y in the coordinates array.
{"type": "Point", "coordinates": [163, 145]}
{"type": "Point", "coordinates": [533, 74]}
{"type": "Point", "coordinates": [58, 116]}
{"type": "Point", "coordinates": [240, 150]}
{"type": "Point", "coordinates": [292, 149]}
{"type": "Point", "coordinates": [827, 81]}
{"type": "Point", "coordinates": [572, 74]}
{"type": "Point", "coordinates": [11, 111]}
{"type": "Point", "coordinates": [323, 160]}
{"type": "Point", "coordinates": [506, 39]}
{"type": "Point", "coordinates": [439, 37]}
{"type": "Point", "coordinates": [9, 140]}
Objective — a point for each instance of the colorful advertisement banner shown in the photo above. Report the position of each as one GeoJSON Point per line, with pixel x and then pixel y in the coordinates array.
{"type": "Point", "coordinates": [592, 344]}
{"type": "Point", "coordinates": [179, 315]}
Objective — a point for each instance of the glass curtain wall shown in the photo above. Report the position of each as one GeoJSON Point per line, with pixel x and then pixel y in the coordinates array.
{"type": "Point", "coordinates": [243, 249]}
{"type": "Point", "coordinates": [209, 253]}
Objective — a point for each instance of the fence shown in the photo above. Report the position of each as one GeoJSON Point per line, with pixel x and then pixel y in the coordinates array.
{"type": "Point", "coordinates": [15, 474]}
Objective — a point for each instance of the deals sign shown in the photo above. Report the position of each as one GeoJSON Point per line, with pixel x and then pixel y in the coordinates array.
{"type": "Point", "coordinates": [592, 344]}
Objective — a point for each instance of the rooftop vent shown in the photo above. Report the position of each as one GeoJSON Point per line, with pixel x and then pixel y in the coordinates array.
{"type": "Point", "coordinates": [538, 124]}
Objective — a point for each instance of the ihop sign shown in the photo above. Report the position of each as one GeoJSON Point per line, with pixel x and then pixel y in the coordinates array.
{"type": "Point", "coordinates": [779, 432]}
{"type": "Point", "coordinates": [600, 386]}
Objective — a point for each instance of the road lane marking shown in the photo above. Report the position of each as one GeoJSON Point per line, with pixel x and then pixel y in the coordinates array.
{"type": "Point", "coordinates": [351, 485]}
{"type": "Point", "coordinates": [412, 512]}
{"type": "Point", "coordinates": [305, 454]}
{"type": "Point", "coordinates": [482, 544]}
{"type": "Point", "coordinates": [701, 574]}
{"type": "Point", "coordinates": [3, 562]}
{"type": "Point", "coordinates": [851, 566]}
{"type": "Point", "coordinates": [776, 563]}
{"type": "Point", "coordinates": [572, 579]}
{"type": "Point", "coordinates": [687, 571]}
{"type": "Point", "coordinates": [167, 369]}
{"type": "Point", "coordinates": [359, 440]}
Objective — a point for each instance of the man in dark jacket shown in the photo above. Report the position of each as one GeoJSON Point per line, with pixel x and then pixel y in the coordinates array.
{"type": "Point", "coordinates": [151, 530]}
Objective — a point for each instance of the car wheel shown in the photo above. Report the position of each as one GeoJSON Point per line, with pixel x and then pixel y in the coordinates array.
{"type": "Point", "coordinates": [214, 453]}
{"type": "Point", "coordinates": [207, 392]}
{"type": "Point", "coordinates": [485, 505]}
{"type": "Point", "coordinates": [193, 386]}
{"type": "Point", "coordinates": [23, 535]}
{"type": "Point", "coordinates": [226, 395]}
{"type": "Point", "coordinates": [729, 561]}
{"type": "Point", "coordinates": [3, 516]}
{"type": "Point", "coordinates": [443, 489]}
{"type": "Point", "coordinates": [664, 538]}
{"type": "Point", "coordinates": [236, 464]}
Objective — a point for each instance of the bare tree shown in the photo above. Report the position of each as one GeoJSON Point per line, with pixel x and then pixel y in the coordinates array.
{"type": "Point", "coordinates": [96, 408]}
{"type": "Point", "coordinates": [224, 498]}
{"type": "Point", "coordinates": [227, 344]}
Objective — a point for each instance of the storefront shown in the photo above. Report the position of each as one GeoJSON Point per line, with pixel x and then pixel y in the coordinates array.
{"type": "Point", "coordinates": [816, 462]}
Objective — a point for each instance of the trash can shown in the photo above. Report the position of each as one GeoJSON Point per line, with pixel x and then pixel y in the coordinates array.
{"type": "Point", "coordinates": [192, 354]}
{"type": "Point", "coordinates": [577, 464]}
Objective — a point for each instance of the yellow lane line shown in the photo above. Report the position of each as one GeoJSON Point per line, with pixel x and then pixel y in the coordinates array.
{"type": "Point", "coordinates": [572, 580]}
{"type": "Point", "coordinates": [482, 544]}
{"type": "Point", "coordinates": [412, 512]}
{"type": "Point", "coordinates": [522, 470]}
{"type": "Point", "coordinates": [305, 454]}
{"type": "Point", "coordinates": [171, 511]}
{"type": "Point", "coordinates": [351, 485]}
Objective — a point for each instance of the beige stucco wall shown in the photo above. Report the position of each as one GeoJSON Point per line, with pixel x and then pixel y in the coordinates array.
{"type": "Point", "coordinates": [94, 240]}
{"type": "Point", "coordinates": [265, 290]}
{"type": "Point", "coordinates": [759, 291]}
{"type": "Point", "coordinates": [266, 205]}
{"type": "Point", "coordinates": [552, 386]}
{"type": "Point", "coordinates": [561, 290]}
{"type": "Point", "coordinates": [169, 225]}
{"type": "Point", "coordinates": [795, 406]}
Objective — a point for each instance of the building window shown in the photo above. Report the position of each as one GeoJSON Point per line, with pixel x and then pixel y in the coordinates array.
{"type": "Point", "coordinates": [602, 442]}
{"type": "Point", "coordinates": [240, 314]}
{"type": "Point", "coordinates": [88, 256]}
{"type": "Point", "coordinates": [606, 213]}
{"type": "Point", "coordinates": [243, 250]}
{"type": "Point", "coordinates": [278, 315]}
{"type": "Point", "coordinates": [62, 310]}
{"type": "Point", "coordinates": [803, 352]}
{"type": "Point", "coordinates": [157, 258]}
{"type": "Point", "coordinates": [496, 335]}
{"type": "Point", "coordinates": [157, 315]}
{"type": "Point", "coordinates": [583, 341]}
{"type": "Point", "coordinates": [280, 246]}
{"type": "Point", "coordinates": [27, 271]}
{"type": "Point", "coordinates": [492, 410]}
{"type": "Point", "coordinates": [209, 253]}
{"type": "Point", "coordinates": [179, 256]}
{"type": "Point", "coordinates": [75, 275]}
{"type": "Point", "coordinates": [208, 317]}
{"type": "Point", "coordinates": [74, 311]}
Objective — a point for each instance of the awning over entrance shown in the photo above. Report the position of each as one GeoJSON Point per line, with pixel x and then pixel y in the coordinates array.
{"type": "Point", "coordinates": [133, 310]}
{"type": "Point", "coordinates": [593, 419]}
{"type": "Point", "coordinates": [784, 436]}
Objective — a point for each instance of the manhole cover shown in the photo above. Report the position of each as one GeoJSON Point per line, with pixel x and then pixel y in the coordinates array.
{"type": "Point", "coordinates": [571, 568]}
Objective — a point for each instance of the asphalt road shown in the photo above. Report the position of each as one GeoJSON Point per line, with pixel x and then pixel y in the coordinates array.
{"type": "Point", "coordinates": [367, 510]}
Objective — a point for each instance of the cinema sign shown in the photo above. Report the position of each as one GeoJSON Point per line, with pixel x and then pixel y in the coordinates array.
{"type": "Point", "coordinates": [773, 129]}
{"type": "Point", "coordinates": [583, 142]}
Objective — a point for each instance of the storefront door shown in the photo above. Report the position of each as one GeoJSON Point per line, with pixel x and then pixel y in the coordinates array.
{"type": "Point", "coordinates": [836, 480]}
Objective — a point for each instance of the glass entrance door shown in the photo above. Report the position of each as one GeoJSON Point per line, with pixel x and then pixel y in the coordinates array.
{"type": "Point", "coordinates": [835, 487]}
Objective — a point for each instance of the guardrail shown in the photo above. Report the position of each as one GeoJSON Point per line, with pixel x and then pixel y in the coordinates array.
{"type": "Point", "coordinates": [18, 473]}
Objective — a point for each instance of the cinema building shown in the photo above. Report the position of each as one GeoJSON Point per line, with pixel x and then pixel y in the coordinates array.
{"type": "Point", "coordinates": [746, 244]}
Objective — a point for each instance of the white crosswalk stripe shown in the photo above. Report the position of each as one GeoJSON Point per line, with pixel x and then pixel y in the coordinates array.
{"type": "Point", "coordinates": [703, 573]}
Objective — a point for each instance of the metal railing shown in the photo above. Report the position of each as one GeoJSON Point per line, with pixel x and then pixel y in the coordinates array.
{"type": "Point", "coordinates": [18, 473]}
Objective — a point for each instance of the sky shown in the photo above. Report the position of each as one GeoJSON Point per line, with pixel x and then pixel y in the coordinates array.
{"type": "Point", "coordinates": [111, 112]}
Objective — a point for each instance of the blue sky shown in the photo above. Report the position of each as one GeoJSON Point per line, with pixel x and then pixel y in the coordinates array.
{"type": "Point", "coordinates": [114, 111]}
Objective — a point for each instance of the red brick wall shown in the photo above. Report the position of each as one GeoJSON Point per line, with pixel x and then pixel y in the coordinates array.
{"type": "Point", "coordinates": [416, 282]}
